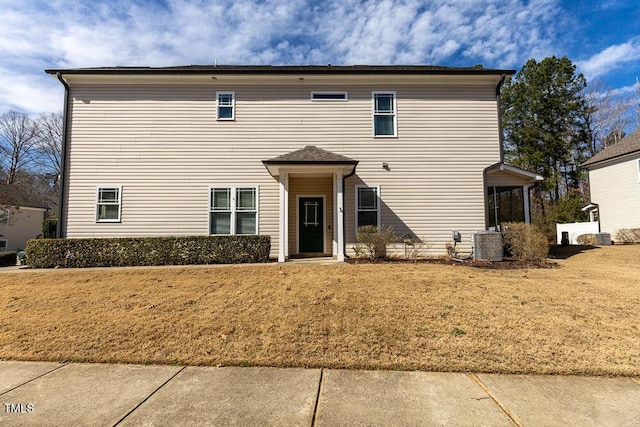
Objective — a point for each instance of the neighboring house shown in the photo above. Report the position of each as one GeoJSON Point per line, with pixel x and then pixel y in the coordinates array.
{"type": "Point", "coordinates": [305, 154]}
{"type": "Point", "coordinates": [614, 185]}
{"type": "Point", "coordinates": [21, 217]}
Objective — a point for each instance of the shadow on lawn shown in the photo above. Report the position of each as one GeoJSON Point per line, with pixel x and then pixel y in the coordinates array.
{"type": "Point", "coordinates": [564, 252]}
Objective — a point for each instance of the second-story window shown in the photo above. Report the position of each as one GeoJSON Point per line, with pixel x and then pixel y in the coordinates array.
{"type": "Point", "coordinates": [226, 105]}
{"type": "Point", "coordinates": [384, 114]}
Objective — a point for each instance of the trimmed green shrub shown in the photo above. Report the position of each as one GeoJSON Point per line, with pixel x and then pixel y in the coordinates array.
{"type": "Point", "coordinates": [628, 235]}
{"type": "Point", "coordinates": [373, 242]}
{"type": "Point", "coordinates": [525, 242]}
{"type": "Point", "coordinates": [138, 251]}
{"type": "Point", "coordinates": [8, 258]}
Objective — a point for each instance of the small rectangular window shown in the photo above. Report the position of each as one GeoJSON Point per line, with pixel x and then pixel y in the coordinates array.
{"type": "Point", "coordinates": [4, 216]}
{"type": "Point", "coordinates": [329, 96]}
{"type": "Point", "coordinates": [3, 245]}
{"type": "Point", "coordinates": [226, 105]}
{"type": "Point", "coordinates": [233, 210]}
{"type": "Point", "coordinates": [384, 114]}
{"type": "Point", "coordinates": [367, 206]}
{"type": "Point", "coordinates": [108, 204]}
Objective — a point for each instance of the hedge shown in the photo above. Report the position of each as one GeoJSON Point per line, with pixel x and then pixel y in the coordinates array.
{"type": "Point", "coordinates": [139, 251]}
{"type": "Point", "coordinates": [8, 258]}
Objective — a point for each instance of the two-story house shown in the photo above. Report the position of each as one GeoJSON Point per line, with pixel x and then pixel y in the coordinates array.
{"type": "Point", "coordinates": [305, 154]}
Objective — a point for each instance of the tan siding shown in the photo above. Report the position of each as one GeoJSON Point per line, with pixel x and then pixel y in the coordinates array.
{"type": "Point", "coordinates": [616, 190]}
{"type": "Point", "coordinates": [24, 224]}
{"type": "Point", "coordinates": [164, 146]}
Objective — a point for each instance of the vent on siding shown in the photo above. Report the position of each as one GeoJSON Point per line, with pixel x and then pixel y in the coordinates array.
{"type": "Point", "coordinates": [328, 96]}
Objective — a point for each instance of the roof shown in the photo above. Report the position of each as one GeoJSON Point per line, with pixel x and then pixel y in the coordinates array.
{"type": "Point", "coordinates": [311, 154]}
{"type": "Point", "coordinates": [13, 195]}
{"type": "Point", "coordinates": [500, 166]}
{"type": "Point", "coordinates": [628, 145]}
{"type": "Point", "coordinates": [286, 69]}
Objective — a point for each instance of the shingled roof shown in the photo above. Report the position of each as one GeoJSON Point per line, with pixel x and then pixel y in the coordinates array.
{"type": "Point", "coordinates": [628, 145]}
{"type": "Point", "coordinates": [12, 195]}
{"type": "Point", "coordinates": [311, 154]}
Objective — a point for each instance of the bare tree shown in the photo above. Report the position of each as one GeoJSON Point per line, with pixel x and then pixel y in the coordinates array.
{"type": "Point", "coordinates": [608, 116]}
{"type": "Point", "coordinates": [50, 142]}
{"type": "Point", "coordinates": [18, 143]}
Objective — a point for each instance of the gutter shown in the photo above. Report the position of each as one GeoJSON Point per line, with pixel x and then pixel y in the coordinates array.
{"type": "Point", "coordinates": [500, 131]}
{"type": "Point", "coordinates": [63, 159]}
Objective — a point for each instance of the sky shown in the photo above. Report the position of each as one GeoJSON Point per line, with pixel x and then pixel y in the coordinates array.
{"type": "Point", "coordinates": [602, 38]}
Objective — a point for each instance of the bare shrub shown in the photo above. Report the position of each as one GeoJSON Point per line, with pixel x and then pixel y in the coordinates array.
{"type": "Point", "coordinates": [525, 241]}
{"type": "Point", "coordinates": [628, 235]}
{"type": "Point", "coordinates": [373, 241]}
{"type": "Point", "coordinates": [586, 239]}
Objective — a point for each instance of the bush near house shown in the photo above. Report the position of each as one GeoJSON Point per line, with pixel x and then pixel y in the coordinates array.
{"type": "Point", "coordinates": [138, 251]}
{"type": "Point", "coordinates": [525, 242]}
{"type": "Point", "coordinates": [628, 235]}
{"type": "Point", "coordinates": [8, 258]}
{"type": "Point", "coordinates": [373, 242]}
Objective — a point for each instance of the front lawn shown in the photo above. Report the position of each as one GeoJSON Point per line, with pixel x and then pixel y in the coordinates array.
{"type": "Point", "coordinates": [581, 318]}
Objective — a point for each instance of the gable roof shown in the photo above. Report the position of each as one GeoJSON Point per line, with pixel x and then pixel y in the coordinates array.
{"type": "Point", "coordinates": [286, 69]}
{"type": "Point", "coordinates": [12, 195]}
{"type": "Point", "coordinates": [628, 145]}
{"type": "Point", "coordinates": [311, 154]}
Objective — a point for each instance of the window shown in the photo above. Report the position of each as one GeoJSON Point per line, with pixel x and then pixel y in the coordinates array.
{"type": "Point", "coordinates": [3, 245]}
{"type": "Point", "coordinates": [226, 105]}
{"type": "Point", "coordinates": [367, 206]}
{"type": "Point", "coordinates": [4, 216]}
{"type": "Point", "coordinates": [384, 114]}
{"type": "Point", "coordinates": [108, 204]}
{"type": "Point", "coordinates": [233, 210]}
{"type": "Point", "coordinates": [329, 96]}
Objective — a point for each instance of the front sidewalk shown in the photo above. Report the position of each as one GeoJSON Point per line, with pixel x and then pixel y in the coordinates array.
{"type": "Point", "coordinates": [42, 393]}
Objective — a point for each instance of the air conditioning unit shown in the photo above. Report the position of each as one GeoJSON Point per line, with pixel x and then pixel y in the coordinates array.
{"type": "Point", "coordinates": [487, 245]}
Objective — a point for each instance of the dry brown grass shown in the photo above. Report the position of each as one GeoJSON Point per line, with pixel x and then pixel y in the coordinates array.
{"type": "Point", "coordinates": [582, 318]}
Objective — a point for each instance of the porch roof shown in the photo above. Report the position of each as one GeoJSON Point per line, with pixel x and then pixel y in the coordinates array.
{"type": "Point", "coordinates": [312, 158]}
{"type": "Point", "coordinates": [514, 171]}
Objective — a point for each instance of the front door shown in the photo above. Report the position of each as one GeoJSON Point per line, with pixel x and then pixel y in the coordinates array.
{"type": "Point", "coordinates": [310, 225]}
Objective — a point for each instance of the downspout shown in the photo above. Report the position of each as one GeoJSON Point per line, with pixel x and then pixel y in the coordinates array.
{"type": "Point", "coordinates": [500, 131]}
{"type": "Point", "coordinates": [344, 211]}
{"type": "Point", "coordinates": [63, 159]}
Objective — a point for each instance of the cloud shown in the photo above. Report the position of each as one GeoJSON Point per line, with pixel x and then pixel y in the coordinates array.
{"type": "Point", "coordinates": [611, 58]}
{"type": "Point", "coordinates": [38, 34]}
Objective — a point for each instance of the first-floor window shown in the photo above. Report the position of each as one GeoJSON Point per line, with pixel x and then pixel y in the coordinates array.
{"type": "Point", "coordinates": [3, 245]}
{"type": "Point", "coordinates": [233, 210]}
{"type": "Point", "coordinates": [108, 204]}
{"type": "Point", "coordinates": [367, 206]}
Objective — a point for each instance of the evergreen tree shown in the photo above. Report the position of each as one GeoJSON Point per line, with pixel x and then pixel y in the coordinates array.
{"type": "Point", "coordinates": [543, 112]}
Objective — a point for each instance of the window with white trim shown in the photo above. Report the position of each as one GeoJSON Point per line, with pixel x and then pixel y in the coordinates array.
{"type": "Point", "coordinates": [384, 114]}
{"type": "Point", "coordinates": [329, 96]}
{"type": "Point", "coordinates": [233, 210]}
{"type": "Point", "coordinates": [367, 206]}
{"type": "Point", "coordinates": [4, 216]}
{"type": "Point", "coordinates": [3, 245]}
{"type": "Point", "coordinates": [226, 105]}
{"type": "Point", "coordinates": [108, 203]}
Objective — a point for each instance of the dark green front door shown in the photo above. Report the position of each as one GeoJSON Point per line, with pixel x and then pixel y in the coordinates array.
{"type": "Point", "coordinates": [310, 225]}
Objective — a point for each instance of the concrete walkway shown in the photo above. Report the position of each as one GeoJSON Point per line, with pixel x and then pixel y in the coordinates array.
{"type": "Point", "coordinates": [54, 394]}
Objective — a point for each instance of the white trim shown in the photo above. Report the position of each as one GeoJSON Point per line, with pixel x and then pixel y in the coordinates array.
{"type": "Point", "coordinates": [527, 209]}
{"type": "Point", "coordinates": [324, 220]}
{"type": "Point", "coordinates": [338, 214]}
{"type": "Point", "coordinates": [97, 204]}
{"type": "Point", "coordinates": [377, 187]}
{"type": "Point", "coordinates": [283, 214]}
{"type": "Point", "coordinates": [329, 92]}
{"type": "Point", "coordinates": [232, 208]}
{"type": "Point", "coordinates": [394, 114]}
{"type": "Point", "coordinates": [233, 105]}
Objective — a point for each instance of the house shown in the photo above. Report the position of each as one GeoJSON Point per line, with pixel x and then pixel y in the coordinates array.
{"type": "Point", "coordinates": [614, 185]}
{"type": "Point", "coordinates": [305, 154]}
{"type": "Point", "coordinates": [21, 217]}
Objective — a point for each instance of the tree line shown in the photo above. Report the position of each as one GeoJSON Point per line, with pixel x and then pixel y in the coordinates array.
{"type": "Point", "coordinates": [552, 121]}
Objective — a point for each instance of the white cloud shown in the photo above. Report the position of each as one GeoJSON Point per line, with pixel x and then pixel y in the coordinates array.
{"type": "Point", "coordinates": [611, 58]}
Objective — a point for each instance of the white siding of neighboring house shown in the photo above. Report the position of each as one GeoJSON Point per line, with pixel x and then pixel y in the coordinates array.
{"type": "Point", "coordinates": [163, 145]}
{"type": "Point", "coordinates": [24, 223]}
{"type": "Point", "coordinates": [616, 189]}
